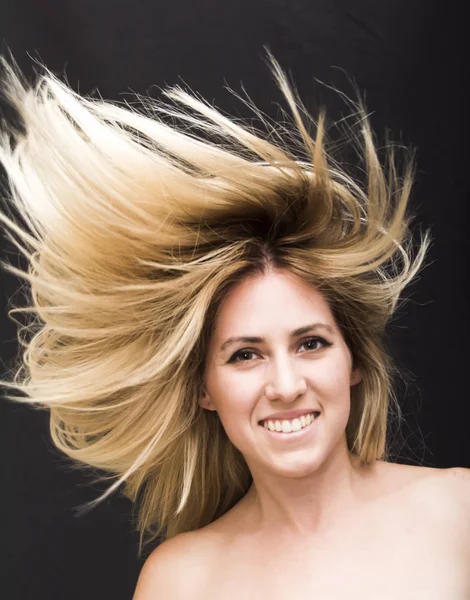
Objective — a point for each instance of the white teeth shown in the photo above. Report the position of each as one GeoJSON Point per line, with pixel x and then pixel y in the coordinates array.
{"type": "Point", "coordinates": [289, 426]}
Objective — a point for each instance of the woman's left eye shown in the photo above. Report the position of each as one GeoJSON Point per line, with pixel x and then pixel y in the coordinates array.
{"type": "Point", "coordinates": [314, 340]}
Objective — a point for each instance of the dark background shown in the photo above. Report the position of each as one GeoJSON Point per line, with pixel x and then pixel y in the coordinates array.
{"type": "Point", "coordinates": [410, 59]}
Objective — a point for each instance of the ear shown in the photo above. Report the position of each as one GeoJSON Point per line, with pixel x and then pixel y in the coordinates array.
{"type": "Point", "coordinates": [356, 377]}
{"type": "Point", "coordinates": [206, 402]}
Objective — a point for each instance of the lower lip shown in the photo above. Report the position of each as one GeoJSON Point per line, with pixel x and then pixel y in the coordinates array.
{"type": "Point", "coordinates": [294, 435]}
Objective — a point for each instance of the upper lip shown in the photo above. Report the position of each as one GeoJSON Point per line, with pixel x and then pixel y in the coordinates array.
{"type": "Point", "coordinates": [291, 414]}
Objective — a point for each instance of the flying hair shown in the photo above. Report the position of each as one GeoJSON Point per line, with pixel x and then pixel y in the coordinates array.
{"type": "Point", "coordinates": [135, 224]}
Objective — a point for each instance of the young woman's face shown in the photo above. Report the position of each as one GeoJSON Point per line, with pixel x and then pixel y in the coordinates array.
{"type": "Point", "coordinates": [247, 381]}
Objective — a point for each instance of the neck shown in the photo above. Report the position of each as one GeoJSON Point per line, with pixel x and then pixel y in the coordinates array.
{"type": "Point", "coordinates": [311, 504]}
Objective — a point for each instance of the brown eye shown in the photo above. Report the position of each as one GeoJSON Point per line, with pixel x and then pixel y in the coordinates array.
{"type": "Point", "coordinates": [316, 340]}
{"type": "Point", "coordinates": [245, 351]}
{"type": "Point", "coordinates": [238, 354]}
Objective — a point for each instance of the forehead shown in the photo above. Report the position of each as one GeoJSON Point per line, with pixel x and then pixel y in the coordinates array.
{"type": "Point", "coordinates": [277, 299]}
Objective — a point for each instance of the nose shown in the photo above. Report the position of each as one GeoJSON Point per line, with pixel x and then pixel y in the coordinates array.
{"type": "Point", "coordinates": [284, 381]}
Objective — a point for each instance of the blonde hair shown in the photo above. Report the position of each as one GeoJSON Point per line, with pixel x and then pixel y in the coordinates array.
{"type": "Point", "coordinates": [138, 229]}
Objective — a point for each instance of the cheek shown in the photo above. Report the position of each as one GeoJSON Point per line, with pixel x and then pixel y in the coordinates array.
{"type": "Point", "coordinates": [331, 375]}
{"type": "Point", "coordinates": [234, 393]}
{"type": "Point", "coordinates": [237, 399]}
{"type": "Point", "coordinates": [333, 393]}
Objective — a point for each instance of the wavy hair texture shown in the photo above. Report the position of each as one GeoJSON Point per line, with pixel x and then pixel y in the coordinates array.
{"type": "Point", "coordinates": [138, 223]}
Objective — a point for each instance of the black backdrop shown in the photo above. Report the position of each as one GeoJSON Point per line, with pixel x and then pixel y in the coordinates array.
{"type": "Point", "coordinates": [411, 60]}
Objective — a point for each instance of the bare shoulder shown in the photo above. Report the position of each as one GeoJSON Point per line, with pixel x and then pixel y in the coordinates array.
{"type": "Point", "coordinates": [443, 492]}
{"type": "Point", "coordinates": [460, 475]}
{"type": "Point", "coordinates": [452, 499]}
{"type": "Point", "coordinates": [174, 570]}
{"type": "Point", "coordinates": [449, 486]}
{"type": "Point", "coordinates": [454, 484]}
{"type": "Point", "coordinates": [457, 481]}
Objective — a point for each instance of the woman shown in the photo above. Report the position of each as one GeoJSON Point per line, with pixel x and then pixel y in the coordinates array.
{"type": "Point", "coordinates": [212, 312]}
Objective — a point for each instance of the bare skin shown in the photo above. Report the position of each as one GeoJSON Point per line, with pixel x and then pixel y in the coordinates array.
{"type": "Point", "coordinates": [315, 523]}
{"type": "Point", "coordinates": [404, 539]}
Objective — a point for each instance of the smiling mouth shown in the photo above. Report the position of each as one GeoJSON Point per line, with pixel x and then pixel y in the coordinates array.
{"type": "Point", "coordinates": [261, 423]}
{"type": "Point", "coordinates": [285, 430]}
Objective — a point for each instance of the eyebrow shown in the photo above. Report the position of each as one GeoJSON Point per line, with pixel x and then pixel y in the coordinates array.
{"type": "Point", "coordinates": [260, 340]}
